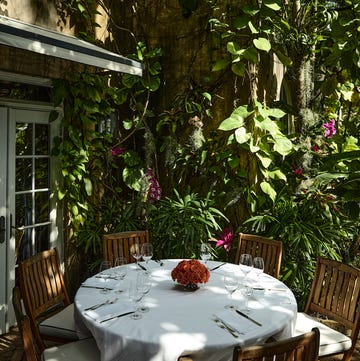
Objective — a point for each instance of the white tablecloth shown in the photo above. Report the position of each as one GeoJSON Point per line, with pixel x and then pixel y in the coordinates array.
{"type": "Point", "coordinates": [181, 322]}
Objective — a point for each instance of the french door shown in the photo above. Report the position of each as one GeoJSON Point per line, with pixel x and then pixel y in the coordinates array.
{"type": "Point", "coordinates": [28, 214]}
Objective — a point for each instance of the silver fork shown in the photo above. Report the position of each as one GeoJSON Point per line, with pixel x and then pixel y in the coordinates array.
{"type": "Point", "coordinates": [227, 328]}
{"type": "Point", "coordinates": [107, 302]}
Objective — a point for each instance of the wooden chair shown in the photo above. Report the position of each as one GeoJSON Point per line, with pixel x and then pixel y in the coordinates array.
{"type": "Point", "coordinates": [121, 244]}
{"type": "Point", "coordinates": [45, 298]}
{"type": "Point", "coordinates": [300, 348]}
{"type": "Point", "coordinates": [335, 295]}
{"type": "Point", "coordinates": [258, 246]}
{"type": "Point", "coordinates": [84, 350]}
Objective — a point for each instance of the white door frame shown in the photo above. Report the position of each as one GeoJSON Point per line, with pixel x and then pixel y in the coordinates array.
{"type": "Point", "coordinates": [9, 110]}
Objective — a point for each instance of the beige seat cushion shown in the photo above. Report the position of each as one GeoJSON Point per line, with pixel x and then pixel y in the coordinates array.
{"type": "Point", "coordinates": [83, 350]}
{"type": "Point", "coordinates": [331, 341]}
{"type": "Point", "coordinates": [60, 325]}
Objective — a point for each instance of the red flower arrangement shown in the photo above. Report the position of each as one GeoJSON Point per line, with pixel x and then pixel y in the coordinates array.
{"type": "Point", "coordinates": [190, 272]}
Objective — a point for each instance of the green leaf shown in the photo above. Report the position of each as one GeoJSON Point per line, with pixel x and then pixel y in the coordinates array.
{"type": "Point", "coordinates": [272, 4]}
{"type": "Point", "coordinates": [207, 96]}
{"type": "Point", "coordinates": [238, 68]}
{"type": "Point", "coordinates": [251, 9]}
{"type": "Point", "coordinates": [220, 64]}
{"type": "Point", "coordinates": [268, 189]}
{"type": "Point", "coordinates": [241, 22]}
{"type": "Point", "coordinates": [251, 54]}
{"type": "Point", "coordinates": [282, 144]}
{"type": "Point", "coordinates": [233, 122]}
{"type": "Point", "coordinates": [234, 48]}
{"type": "Point", "coordinates": [252, 28]}
{"type": "Point", "coordinates": [241, 136]}
{"type": "Point", "coordinates": [265, 161]}
{"type": "Point", "coordinates": [131, 177]}
{"type": "Point", "coordinates": [262, 44]}
{"type": "Point", "coordinates": [277, 174]}
{"type": "Point", "coordinates": [88, 186]}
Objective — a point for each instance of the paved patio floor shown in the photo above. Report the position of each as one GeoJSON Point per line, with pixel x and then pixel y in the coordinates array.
{"type": "Point", "coordinates": [11, 348]}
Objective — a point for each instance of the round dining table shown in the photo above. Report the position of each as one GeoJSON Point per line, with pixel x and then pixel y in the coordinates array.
{"type": "Point", "coordinates": [181, 322]}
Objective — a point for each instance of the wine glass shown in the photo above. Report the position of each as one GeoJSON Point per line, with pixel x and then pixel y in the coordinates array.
{"type": "Point", "coordinates": [136, 253]}
{"type": "Point", "coordinates": [120, 271]}
{"type": "Point", "coordinates": [135, 296]}
{"type": "Point", "coordinates": [105, 267]}
{"type": "Point", "coordinates": [205, 252]}
{"type": "Point", "coordinates": [246, 263]}
{"type": "Point", "coordinates": [258, 266]}
{"type": "Point", "coordinates": [231, 284]}
{"type": "Point", "coordinates": [147, 251]}
{"type": "Point", "coordinates": [144, 283]}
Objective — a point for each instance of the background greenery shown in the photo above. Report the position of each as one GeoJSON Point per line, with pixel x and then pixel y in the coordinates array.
{"type": "Point", "coordinates": [263, 166]}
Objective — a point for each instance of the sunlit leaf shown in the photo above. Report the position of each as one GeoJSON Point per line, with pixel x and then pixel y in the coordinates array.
{"type": "Point", "coordinates": [262, 44]}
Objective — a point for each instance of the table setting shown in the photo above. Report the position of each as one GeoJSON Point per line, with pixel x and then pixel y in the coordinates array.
{"type": "Point", "coordinates": [178, 320]}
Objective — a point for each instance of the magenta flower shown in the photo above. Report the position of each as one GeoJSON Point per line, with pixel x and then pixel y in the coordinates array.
{"type": "Point", "coordinates": [330, 129]}
{"type": "Point", "coordinates": [225, 240]}
{"type": "Point", "coordinates": [154, 192]}
{"type": "Point", "coordinates": [315, 148]}
{"type": "Point", "coordinates": [115, 151]}
{"type": "Point", "coordinates": [298, 171]}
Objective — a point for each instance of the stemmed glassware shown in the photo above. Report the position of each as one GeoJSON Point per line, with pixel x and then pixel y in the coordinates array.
{"type": "Point", "coordinates": [120, 271]}
{"type": "Point", "coordinates": [147, 251]}
{"type": "Point", "coordinates": [144, 282]}
{"type": "Point", "coordinates": [205, 252]}
{"type": "Point", "coordinates": [231, 284]}
{"type": "Point", "coordinates": [135, 295]}
{"type": "Point", "coordinates": [247, 291]}
{"type": "Point", "coordinates": [246, 263]}
{"type": "Point", "coordinates": [136, 253]}
{"type": "Point", "coordinates": [105, 267]}
{"type": "Point", "coordinates": [258, 265]}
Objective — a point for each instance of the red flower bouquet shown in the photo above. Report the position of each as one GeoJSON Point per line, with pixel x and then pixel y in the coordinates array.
{"type": "Point", "coordinates": [190, 272]}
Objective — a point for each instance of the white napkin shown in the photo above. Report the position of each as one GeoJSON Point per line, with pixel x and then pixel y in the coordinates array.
{"type": "Point", "coordinates": [107, 311]}
{"type": "Point", "coordinates": [99, 282]}
{"type": "Point", "coordinates": [235, 321]}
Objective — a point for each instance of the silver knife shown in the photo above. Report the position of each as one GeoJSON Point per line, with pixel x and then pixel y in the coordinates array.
{"type": "Point", "coordinates": [248, 317]}
{"type": "Point", "coordinates": [142, 267]}
{"type": "Point", "coordinates": [213, 269]}
{"type": "Point", "coordinates": [117, 316]}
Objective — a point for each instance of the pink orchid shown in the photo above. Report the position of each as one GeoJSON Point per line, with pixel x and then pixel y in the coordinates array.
{"type": "Point", "coordinates": [115, 151]}
{"type": "Point", "coordinates": [330, 129]}
{"type": "Point", "coordinates": [225, 240]}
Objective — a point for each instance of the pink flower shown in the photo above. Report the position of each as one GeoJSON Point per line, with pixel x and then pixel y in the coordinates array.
{"type": "Point", "coordinates": [225, 240]}
{"type": "Point", "coordinates": [154, 192]}
{"type": "Point", "coordinates": [298, 171]}
{"type": "Point", "coordinates": [330, 129]}
{"type": "Point", "coordinates": [315, 148]}
{"type": "Point", "coordinates": [115, 151]}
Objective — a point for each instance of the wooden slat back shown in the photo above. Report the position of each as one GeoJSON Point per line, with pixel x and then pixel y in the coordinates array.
{"type": "Point", "coordinates": [121, 244]}
{"type": "Point", "coordinates": [301, 348]}
{"type": "Point", "coordinates": [42, 283]}
{"type": "Point", "coordinates": [335, 293]}
{"type": "Point", "coordinates": [31, 344]}
{"type": "Point", "coordinates": [270, 250]}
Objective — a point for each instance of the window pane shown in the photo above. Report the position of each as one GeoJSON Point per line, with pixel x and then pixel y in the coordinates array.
{"type": "Point", "coordinates": [23, 174]}
{"type": "Point", "coordinates": [42, 139]}
{"type": "Point", "coordinates": [23, 210]}
{"type": "Point", "coordinates": [42, 207]}
{"type": "Point", "coordinates": [24, 138]}
{"type": "Point", "coordinates": [42, 237]}
{"type": "Point", "coordinates": [41, 173]}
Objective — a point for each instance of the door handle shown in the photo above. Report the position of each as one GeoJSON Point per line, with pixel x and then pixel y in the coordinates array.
{"type": "Point", "coordinates": [2, 229]}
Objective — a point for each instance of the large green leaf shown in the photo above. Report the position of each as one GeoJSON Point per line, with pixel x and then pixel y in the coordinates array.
{"type": "Point", "coordinates": [241, 136]}
{"type": "Point", "coordinates": [234, 48]}
{"type": "Point", "coordinates": [233, 122]}
{"type": "Point", "coordinates": [220, 64]}
{"type": "Point", "coordinates": [265, 161]}
{"type": "Point", "coordinates": [282, 144]}
{"type": "Point", "coordinates": [238, 68]}
{"type": "Point", "coordinates": [272, 4]}
{"type": "Point", "coordinates": [262, 44]}
{"type": "Point", "coordinates": [268, 189]}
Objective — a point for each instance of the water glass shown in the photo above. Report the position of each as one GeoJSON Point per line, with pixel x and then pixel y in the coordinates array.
{"type": "Point", "coordinates": [231, 284]}
{"type": "Point", "coordinates": [105, 267]}
{"type": "Point", "coordinates": [147, 251]}
{"type": "Point", "coordinates": [205, 252]}
{"type": "Point", "coordinates": [246, 263]}
{"type": "Point", "coordinates": [120, 271]}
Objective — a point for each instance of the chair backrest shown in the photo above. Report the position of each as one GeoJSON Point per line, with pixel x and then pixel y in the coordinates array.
{"type": "Point", "coordinates": [29, 342]}
{"type": "Point", "coordinates": [270, 250]}
{"type": "Point", "coordinates": [300, 348]}
{"type": "Point", "coordinates": [121, 244]}
{"type": "Point", "coordinates": [335, 293]}
{"type": "Point", "coordinates": [42, 285]}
